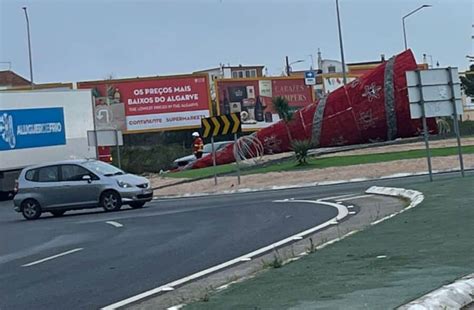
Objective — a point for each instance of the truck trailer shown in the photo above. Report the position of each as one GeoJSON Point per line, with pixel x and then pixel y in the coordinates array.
{"type": "Point", "coordinates": [42, 126]}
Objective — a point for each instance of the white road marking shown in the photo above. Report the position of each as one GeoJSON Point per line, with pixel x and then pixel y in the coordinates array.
{"type": "Point", "coordinates": [114, 223]}
{"type": "Point", "coordinates": [177, 307]}
{"type": "Point", "coordinates": [51, 257]}
{"type": "Point", "coordinates": [342, 212]}
{"type": "Point", "coordinates": [246, 259]}
{"type": "Point", "coordinates": [354, 197]}
{"type": "Point", "coordinates": [336, 197]}
{"type": "Point", "coordinates": [352, 212]}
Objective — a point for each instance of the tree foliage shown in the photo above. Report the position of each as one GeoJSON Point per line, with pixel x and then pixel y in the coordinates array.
{"type": "Point", "coordinates": [283, 108]}
{"type": "Point", "coordinates": [468, 82]}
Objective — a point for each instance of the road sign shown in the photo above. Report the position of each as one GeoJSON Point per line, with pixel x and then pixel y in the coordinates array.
{"type": "Point", "coordinates": [434, 89]}
{"type": "Point", "coordinates": [310, 78]}
{"type": "Point", "coordinates": [221, 125]}
{"type": "Point", "coordinates": [104, 137]}
{"type": "Point", "coordinates": [435, 93]}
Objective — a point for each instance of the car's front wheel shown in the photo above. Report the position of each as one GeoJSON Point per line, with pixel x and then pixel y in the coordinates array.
{"type": "Point", "coordinates": [110, 201]}
{"type": "Point", "coordinates": [31, 209]}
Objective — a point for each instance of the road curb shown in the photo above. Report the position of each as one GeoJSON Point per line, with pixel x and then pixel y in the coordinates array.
{"type": "Point", "coordinates": [452, 296]}
{"type": "Point", "coordinates": [310, 184]}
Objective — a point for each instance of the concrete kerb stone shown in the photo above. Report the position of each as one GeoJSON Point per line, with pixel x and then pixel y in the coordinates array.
{"type": "Point", "coordinates": [452, 296]}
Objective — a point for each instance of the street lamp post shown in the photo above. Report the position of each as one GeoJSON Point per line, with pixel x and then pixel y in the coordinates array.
{"type": "Point", "coordinates": [403, 21]}
{"type": "Point", "coordinates": [29, 45]}
{"type": "Point", "coordinates": [288, 65]}
{"type": "Point", "coordinates": [344, 75]}
{"type": "Point", "coordinates": [312, 61]}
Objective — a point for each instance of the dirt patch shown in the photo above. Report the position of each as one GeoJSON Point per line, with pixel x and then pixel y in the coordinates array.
{"type": "Point", "coordinates": [308, 176]}
{"type": "Point", "coordinates": [320, 175]}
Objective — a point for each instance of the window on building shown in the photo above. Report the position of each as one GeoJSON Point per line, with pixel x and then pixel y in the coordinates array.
{"type": "Point", "coordinates": [253, 73]}
{"type": "Point", "coordinates": [241, 74]}
{"type": "Point", "coordinates": [247, 73]}
{"type": "Point", "coordinates": [331, 69]}
{"type": "Point", "coordinates": [235, 75]}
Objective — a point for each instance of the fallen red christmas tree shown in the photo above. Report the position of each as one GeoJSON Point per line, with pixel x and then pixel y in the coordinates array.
{"type": "Point", "coordinates": [374, 107]}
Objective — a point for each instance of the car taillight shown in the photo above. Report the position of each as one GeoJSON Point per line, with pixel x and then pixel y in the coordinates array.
{"type": "Point", "coordinates": [15, 189]}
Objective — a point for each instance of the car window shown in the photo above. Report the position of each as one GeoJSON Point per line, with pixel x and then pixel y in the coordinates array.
{"type": "Point", "coordinates": [207, 148]}
{"type": "Point", "coordinates": [30, 175]}
{"type": "Point", "coordinates": [48, 174]}
{"type": "Point", "coordinates": [102, 168]}
{"type": "Point", "coordinates": [73, 173]}
{"type": "Point", "coordinates": [222, 145]}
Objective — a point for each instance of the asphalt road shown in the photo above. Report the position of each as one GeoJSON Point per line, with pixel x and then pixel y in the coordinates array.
{"type": "Point", "coordinates": [165, 241]}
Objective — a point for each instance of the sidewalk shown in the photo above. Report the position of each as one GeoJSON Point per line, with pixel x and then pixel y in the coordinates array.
{"type": "Point", "coordinates": [419, 251]}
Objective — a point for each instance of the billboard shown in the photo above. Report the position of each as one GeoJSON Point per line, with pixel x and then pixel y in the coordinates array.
{"type": "Point", "coordinates": [253, 98]}
{"type": "Point", "coordinates": [29, 128]}
{"type": "Point", "coordinates": [150, 104]}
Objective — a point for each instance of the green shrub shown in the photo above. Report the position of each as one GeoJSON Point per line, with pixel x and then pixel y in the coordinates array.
{"type": "Point", "coordinates": [301, 148]}
{"type": "Point", "coordinates": [142, 159]}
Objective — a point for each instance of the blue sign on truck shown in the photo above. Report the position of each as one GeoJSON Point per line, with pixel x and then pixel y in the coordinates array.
{"type": "Point", "coordinates": [29, 128]}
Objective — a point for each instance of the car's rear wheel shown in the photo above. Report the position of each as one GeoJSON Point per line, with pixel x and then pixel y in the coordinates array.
{"type": "Point", "coordinates": [31, 209]}
{"type": "Point", "coordinates": [137, 205]}
{"type": "Point", "coordinates": [110, 201]}
{"type": "Point", "coordinates": [58, 213]}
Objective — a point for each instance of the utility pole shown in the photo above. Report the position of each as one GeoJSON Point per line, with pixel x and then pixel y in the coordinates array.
{"type": "Point", "coordinates": [344, 75]}
{"type": "Point", "coordinates": [287, 66]}
{"type": "Point", "coordinates": [29, 45]}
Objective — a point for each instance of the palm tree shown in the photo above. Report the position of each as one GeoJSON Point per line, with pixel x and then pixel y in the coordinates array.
{"type": "Point", "coordinates": [300, 147]}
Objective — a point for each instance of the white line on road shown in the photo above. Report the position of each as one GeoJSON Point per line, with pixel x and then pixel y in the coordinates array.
{"type": "Point", "coordinates": [342, 212]}
{"type": "Point", "coordinates": [114, 223]}
{"type": "Point", "coordinates": [354, 197]}
{"type": "Point", "coordinates": [336, 197]}
{"type": "Point", "coordinates": [51, 257]}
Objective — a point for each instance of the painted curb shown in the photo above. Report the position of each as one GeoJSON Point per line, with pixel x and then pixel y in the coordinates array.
{"type": "Point", "coordinates": [452, 296]}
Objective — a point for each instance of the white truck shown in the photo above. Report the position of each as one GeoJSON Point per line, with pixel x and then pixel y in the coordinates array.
{"type": "Point", "coordinates": [42, 126]}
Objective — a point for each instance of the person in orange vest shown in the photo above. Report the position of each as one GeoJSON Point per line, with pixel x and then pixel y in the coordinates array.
{"type": "Point", "coordinates": [198, 145]}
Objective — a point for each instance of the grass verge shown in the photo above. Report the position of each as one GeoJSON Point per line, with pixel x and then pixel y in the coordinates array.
{"type": "Point", "coordinates": [379, 268]}
{"type": "Point", "coordinates": [319, 163]}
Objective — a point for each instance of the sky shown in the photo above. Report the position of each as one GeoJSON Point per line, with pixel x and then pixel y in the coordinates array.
{"type": "Point", "coordinates": [94, 39]}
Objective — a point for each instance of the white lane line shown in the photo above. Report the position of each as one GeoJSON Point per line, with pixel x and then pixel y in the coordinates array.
{"type": "Point", "coordinates": [354, 197]}
{"type": "Point", "coordinates": [342, 212]}
{"type": "Point", "coordinates": [336, 197]}
{"type": "Point", "coordinates": [51, 257]}
{"type": "Point", "coordinates": [114, 223]}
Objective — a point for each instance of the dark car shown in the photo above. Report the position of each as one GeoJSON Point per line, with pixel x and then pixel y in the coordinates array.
{"type": "Point", "coordinates": [183, 161]}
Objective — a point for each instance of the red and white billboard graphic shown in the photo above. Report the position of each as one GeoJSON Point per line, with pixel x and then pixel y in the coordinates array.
{"type": "Point", "coordinates": [253, 98]}
{"type": "Point", "coordinates": [150, 104]}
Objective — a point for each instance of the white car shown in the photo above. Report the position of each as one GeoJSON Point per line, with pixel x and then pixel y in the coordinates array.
{"type": "Point", "coordinates": [207, 149]}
